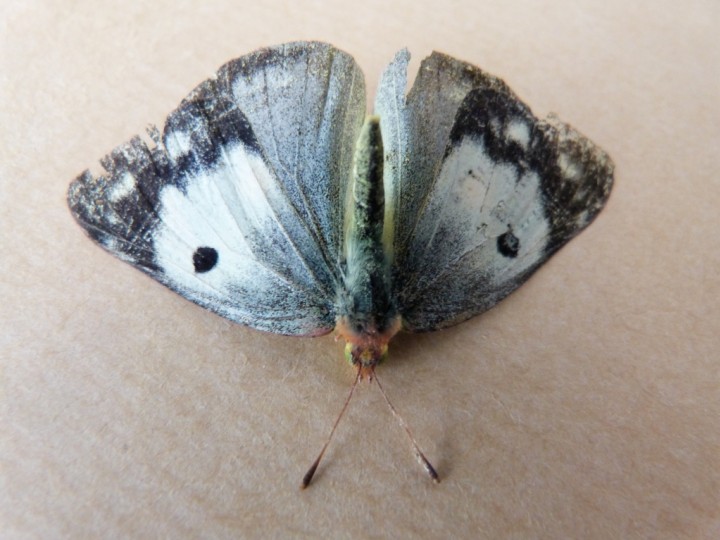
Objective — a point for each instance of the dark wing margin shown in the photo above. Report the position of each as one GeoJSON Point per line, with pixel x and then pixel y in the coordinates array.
{"type": "Point", "coordinates": [236, 205]}
{"type": "Point", "coordinates": [119, 209]}
{"type": "Point", "coordinates": [484, 194]}
{"type": "Point", "coordinates": [114, 210]}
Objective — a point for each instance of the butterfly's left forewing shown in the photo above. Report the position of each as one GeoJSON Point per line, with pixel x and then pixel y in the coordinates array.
{"type": "Point", "coordinates": [239, 206]}
{"type": "Point", "coordinates": [479, 206]}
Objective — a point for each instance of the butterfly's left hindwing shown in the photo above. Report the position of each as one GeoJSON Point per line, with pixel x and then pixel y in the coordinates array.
{"type": "Point", "coordinates": [472, 222]}
{"type": "Point", "coordinates": [239, 207]}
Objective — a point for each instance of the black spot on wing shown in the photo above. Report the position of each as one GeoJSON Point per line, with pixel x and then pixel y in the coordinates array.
{"type": "Point", "coordinates": [204, 259]}
{"type": "Point", "coordinates": [508, 245]}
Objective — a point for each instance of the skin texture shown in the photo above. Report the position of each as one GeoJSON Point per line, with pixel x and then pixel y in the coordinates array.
{"type": "Point", "coordinates": [585, 405]}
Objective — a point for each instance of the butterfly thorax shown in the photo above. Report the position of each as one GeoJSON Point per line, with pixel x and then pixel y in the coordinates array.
{"type": "Point", "coordinates": [367, 315]}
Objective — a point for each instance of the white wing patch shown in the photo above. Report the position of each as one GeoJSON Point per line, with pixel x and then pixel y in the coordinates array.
{"type": "Point", "coordinates": [493, 200]}
{"type": "Point", "coordinates": [214, 211]}
{"type": "Point", "coordinates": [202, 216]}
{"type": "Point", "coordinates": [123, 188]}
{"type": "Point", "coordinates": [519, 132]}
{"type": "Point", "coordinates": [177, 144]}
{"type": "Point", "coordinates": [476, 200]}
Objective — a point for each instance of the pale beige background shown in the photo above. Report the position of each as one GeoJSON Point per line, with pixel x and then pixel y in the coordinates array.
{"type": "Point", "coordinates": [587, 405]}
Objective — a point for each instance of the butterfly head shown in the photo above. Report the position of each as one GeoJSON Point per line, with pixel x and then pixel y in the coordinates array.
{"type": "Point", "coordinates": [367, 348]}
{"type": "Point", "coordinates": [365, 358]}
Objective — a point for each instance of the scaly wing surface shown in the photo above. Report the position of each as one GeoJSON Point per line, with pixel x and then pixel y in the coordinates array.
{"type": "Point", "coordinates": [479, 192]}
{"type": "Point", "coordinates": [239, 205]}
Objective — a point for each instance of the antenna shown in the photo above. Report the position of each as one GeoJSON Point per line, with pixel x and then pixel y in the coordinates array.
{"type": "Point", "coordinates": [422, 460]}
{"type": "Point", "coordinates": [311, 471]}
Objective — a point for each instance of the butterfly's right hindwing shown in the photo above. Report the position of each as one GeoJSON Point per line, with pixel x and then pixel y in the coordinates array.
{"type": "Point", "coordinates": [240, 206]}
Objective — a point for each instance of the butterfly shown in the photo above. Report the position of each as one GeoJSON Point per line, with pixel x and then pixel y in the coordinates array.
{"type": "Point", "coordinates": [272, 199]}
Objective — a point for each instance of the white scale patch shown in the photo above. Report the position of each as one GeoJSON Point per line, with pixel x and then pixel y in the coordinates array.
{"type": "Point", "coordinates": [124, 187]}
{"type": "Point", "coordinates": [479, 200]}
{"type": "Point", "coordinates": [569, 168]}
{"type": "Point", "coordinates": [518, 131]}
{"type": "Point", "coordinates": [218, 206]}
{"type": "Point", "coordinates": [177, 144]}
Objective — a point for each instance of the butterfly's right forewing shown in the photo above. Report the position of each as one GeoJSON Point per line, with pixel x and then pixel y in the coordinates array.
{"type": "Point", "coordinates": [240, 205]}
